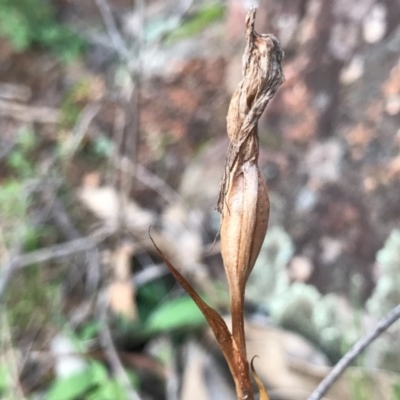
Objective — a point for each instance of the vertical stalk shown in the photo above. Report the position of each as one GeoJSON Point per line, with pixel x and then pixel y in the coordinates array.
{"type": "Point", "coordinates": [239, 338]}
{"type": "Point", "coordinates": [243, 201]}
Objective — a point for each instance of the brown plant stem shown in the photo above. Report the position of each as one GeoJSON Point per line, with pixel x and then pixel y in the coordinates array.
{"type": "Point", "coordinates": [243, 201]}
{"type": "Point", "coordinates": [238, 334]}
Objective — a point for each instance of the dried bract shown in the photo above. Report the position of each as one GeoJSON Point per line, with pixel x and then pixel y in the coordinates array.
{"type": "Point", "coordinates": [243, 201]}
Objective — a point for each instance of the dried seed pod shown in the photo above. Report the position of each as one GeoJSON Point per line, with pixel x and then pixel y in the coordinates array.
{"type": "Point", "coordinates": [244, 223]}
{"type": "Point", "coordinates": [243, 201]}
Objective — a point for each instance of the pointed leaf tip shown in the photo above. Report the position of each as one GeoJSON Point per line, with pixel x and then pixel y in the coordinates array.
{"type": "Point", "coordinates": [261, 388]}
{"type": "Point", "coordinates": [214, 319]}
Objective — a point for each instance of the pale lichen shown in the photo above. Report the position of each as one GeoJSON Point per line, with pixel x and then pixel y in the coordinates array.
{"type": "Point", "coordinates": [387, 291]}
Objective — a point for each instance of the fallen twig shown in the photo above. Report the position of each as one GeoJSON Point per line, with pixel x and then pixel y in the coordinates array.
{"type": "Point", "coordinates": [112, 353]}
{"type": "Point", "coordinates": [6, 148]}
{"type": "Point", "coordinates": [80, 129]}
{"type": "Point", "coordinates": [150, 273]}
{"type": "Point", "coordinates": [390, 318]}
{"type": "Point", "coordinates": [10, 356]}
{"type": "Point", "coordinates": [21, 112]}
{"type": "Point", "coordinates": [10, 91]}
{"type": "Point", "coordinates": [127, 121]}
{"type": "Point", "coordinates": [49, 253]}
{"type": "Point", "coordinates": [63, 222]}
{"type": "Point", "coordinates": [54, 252]}
{"type": "Point", "coordinates": [118, 41]}
{"type": "Point", "coordinates": [60, 217]}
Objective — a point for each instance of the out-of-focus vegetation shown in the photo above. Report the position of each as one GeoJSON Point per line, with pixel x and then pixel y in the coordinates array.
{"type": "Point", "coordinates": [200, 20]}
{"type": "Point", "coordinates": [47, 166]}
{"type": "Point", "coordinates": [33, 23]}
{"type": "Point", "coordinates": [93, 383]}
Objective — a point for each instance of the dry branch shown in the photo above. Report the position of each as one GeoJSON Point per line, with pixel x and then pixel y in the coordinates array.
{"type": "Point", "coordinates": [388, 320]}
{"type": "Point", "coordinates": [10, 91]}
{"type": "Point", "coordinates": [43, 255]}
{"type": "Point", "coordinates": [117, 40]}
{"type": "Point", "coordinates": [54, 252]}
{"type": "Point", "coordinates": [111, 352]}
{"type": "Point", "coordinates": [20, 112]}
{"type": "Point", "coordinates": [81, 127]}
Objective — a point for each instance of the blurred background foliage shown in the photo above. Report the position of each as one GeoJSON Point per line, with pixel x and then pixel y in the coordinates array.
{"type": "Point", "coordinates": [112, 119]}
{"type": "Point", "coordinates": [28, 23]}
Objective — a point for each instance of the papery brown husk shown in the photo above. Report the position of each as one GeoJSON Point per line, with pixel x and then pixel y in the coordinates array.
{"type": "Point", "coordinates": [243, 201]}
{"type": "Point", "coordinates": [245, 223]}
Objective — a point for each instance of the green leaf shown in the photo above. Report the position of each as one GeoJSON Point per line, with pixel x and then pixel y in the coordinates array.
{"type": "Point", "coordinates": [12, 200]}
{"type": "Point", "coordinates": [157, 27]}
{"type": "Point", "coordinates": [396, 391]}
{"type": "Point", "coordinates": [203, 18]}
{"type": "Point", "coordinates": [110, 390]}
{"type": "Point", "coordinates": [134, 379]}
{"type": "Point", "coordinates": [26, 139]}
{"type": "Point", "coordinates": [99, 373]}
{"type": "Point", "coordinates": [4, 378]}
{"type": "Point", "coordinates": [175, 314]}
{"type": "Point", "coordinates": [361, 386]}
{"type": "Point", "coordinates": [21, 166]}
{"type": "Point", "coordinates": [72, 387]}
{"type": "Point", "coordinates": [89, 331]}
{"type": "Point", "coordinates": [150, 296]}
{"type": "Point", "coordinates": [13, 25]}
{"type": "Point", "coordinates": [34, 22]}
